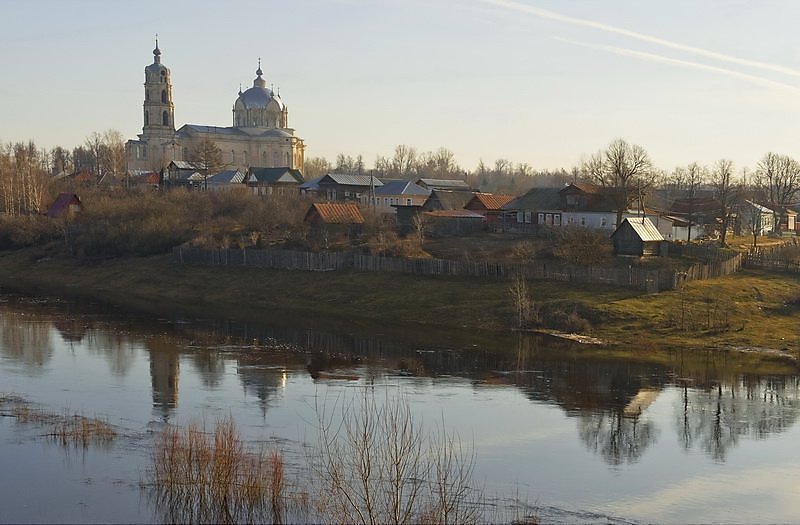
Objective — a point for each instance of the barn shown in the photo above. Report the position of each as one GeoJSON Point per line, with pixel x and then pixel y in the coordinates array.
{"type": "Point", "coordinates": [637, 236]}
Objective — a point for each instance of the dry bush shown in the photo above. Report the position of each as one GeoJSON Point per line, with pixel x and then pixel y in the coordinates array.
{"type": "Point", "coordinates": [22, 231]}
{"type": "Point", "coordinates": [582, 246]}
{"type": "Point", "coordinates": [374, 464]}
{"type": "Point", "coordinates": [212, 478]}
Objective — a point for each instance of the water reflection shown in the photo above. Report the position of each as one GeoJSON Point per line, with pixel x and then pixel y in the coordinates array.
{"type": "Point", "coordinates": [609, 397]}
{"type": "Point", "coordinates": [715, 418]}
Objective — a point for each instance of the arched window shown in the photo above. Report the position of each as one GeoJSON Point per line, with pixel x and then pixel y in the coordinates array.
{"type": "Point", "coordinates": [288, 160]}
{"type": "Point", "coordinates": [146, 118]}
{"type": "Point", "coordinates": [244, 158]}
{"type": "Point", "coordinates": [163, 96]}
{"type": "Point", "coordinates": [276, 158]}
{"type": "Point", "coordinates": [264, 159]}
{"type": "Point", "coordinates": [165, 118]}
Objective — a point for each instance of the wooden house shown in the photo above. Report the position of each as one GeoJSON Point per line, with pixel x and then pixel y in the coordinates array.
{"type": "Point", "coordinates": [443, 184]}
{"type": "Point", "coordinates": [266, 181]}
{"type": "Point", "coordinates": [395, 193]}
{"type": "Point", "coordinates": [65, 205]}
{"type": "Point", "coordinates": [440, 200]}
{"type": "Point", "coordinates": [333, 221]}
{"type": "Point", "coordinates": [637, 236]}
{"type": "Point", "coordinates": [345, 187]}
{"type": "Point", "coordinates": [489, 205]}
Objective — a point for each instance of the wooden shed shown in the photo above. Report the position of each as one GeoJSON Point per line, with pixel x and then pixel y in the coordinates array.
{"type": "Point", "coordinates": [637, 236]}
{"type": "Point", "coordinates": [65, 205]}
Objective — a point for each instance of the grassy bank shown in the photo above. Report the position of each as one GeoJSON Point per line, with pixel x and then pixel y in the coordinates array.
{"type": "Point", "coordinates": [753, 310]}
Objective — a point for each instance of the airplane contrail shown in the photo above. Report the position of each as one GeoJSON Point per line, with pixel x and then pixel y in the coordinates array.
{"type": "Point", "coordinates": [544, 13]}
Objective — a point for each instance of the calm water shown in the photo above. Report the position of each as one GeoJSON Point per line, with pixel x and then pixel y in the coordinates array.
{"type": "Point", "coordinates": [580, 437]}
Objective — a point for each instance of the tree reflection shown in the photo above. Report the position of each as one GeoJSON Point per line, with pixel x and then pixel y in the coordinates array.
{"type": "Point", "coordinates": [616, 437]}
{"type": "Point", "coordinates": [26, 339]}
{"type": "Point", "coordinates": [714, 418]}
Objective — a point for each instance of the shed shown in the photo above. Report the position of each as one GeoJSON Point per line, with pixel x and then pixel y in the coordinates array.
{"type": "Point", "coordinates": [637, 236]}
{"type": "Point", "coordinates": [333, 213]}
{"type": "Point", "coordinates": [66, 204]}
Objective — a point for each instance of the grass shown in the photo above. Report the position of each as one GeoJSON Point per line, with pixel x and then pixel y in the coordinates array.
{"type": "Point", "coordinates": [752, 309]}
{"type": "Point", "coordinates": [67, 429]}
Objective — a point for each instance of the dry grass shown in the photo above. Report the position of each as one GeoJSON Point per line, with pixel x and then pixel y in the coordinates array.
{"type": "Point", "coordinates": [199, 477]}
{"type": "Point", "coordinates": [67, 429]}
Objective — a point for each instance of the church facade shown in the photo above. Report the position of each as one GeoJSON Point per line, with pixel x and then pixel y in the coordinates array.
{"type": "Point", "coordinates": [259, 135]}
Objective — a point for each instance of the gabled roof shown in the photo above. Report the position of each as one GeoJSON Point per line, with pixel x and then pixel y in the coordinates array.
{"type": "Point", "coordinates": [182, 165]}
{"type": "Point", "coordinates": [402, 187]}
{"type": "Point", "coordinates": [536, 199]}
{"type": "Point", "coordinates": [695, 206]}
{"type": "Point", "coordinates": [489, 201]}
{"type": "Point", "coordinates": [443, 184]}
{"type": "Point", "coordinates": [311, 185]}
{"type": "Point", "coordinates": [344, 179]}
{"type": "Point", "coordinates": [643, 227]}
{"type": "Point", "coordinates": [585, 187]}
{"type": "Point", "coordinates": [61, 204]}
{"type": "Point", "coordinates": [758, 207]}
{"type": "Point", "coordinates": [448, 200]}
{"type": "Point", "coordinates": [227, 177]}
{"type": "Point", "coordinates": [335, 213]}
{"type": "Point", "coordinates": [274, 175]}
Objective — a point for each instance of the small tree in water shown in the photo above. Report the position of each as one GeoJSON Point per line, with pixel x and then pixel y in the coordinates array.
{"type": "Point", "coordinates": [374, 464]}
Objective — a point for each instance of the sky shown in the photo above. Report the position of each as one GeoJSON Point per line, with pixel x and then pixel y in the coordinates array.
{"type": "Point", "coordinates": [547, 83]}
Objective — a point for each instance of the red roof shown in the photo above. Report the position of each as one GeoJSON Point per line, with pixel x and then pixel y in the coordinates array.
{"type": "Point", "coordinates": [335, 213]}
{"type": "Point", "coordinates": [489, 201]}
{"type": "Point", "coordinates": [585, 187]}
{"type": "Point", "coordinates": [62, 203]}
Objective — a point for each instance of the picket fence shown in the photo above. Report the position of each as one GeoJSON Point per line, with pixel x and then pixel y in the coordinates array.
{"type": "Point", "coordinates": [631, 276]}
{"type": "Point", "coordinates": [781, 258]}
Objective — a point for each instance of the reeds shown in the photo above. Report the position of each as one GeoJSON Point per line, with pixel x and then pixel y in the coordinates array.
{"type": "Point", "coordinates": [67, 429]}
{"type": "Point", "coordinates": [212, 478]}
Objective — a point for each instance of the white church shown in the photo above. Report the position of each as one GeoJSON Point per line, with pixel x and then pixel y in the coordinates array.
{"type": "Point", "coordinates": [259, 136]}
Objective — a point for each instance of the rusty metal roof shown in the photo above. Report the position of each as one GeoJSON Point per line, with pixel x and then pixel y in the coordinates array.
{"type": "Point", "coordinates": [491, 201]}
{"type": "Point", "coordinates": [336, 213]}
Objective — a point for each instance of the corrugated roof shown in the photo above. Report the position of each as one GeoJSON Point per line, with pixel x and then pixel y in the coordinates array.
{"type": "Point", "coordinates": [336, 212]}
{"type": "Point", "coordinates": [760, 208]}
{"type": "Point", "coordinates": [644, 228]}
{"type": "Point", "coordinates": [450, 184]}
{"type": "Point", "coordinates": [227, 177]}
{"type": "Point", "coordinates": [401, 187]}
{"type": "Point", "coordinates": [491, 201]}
{"type": "Point", "coordinates": [351, 180]}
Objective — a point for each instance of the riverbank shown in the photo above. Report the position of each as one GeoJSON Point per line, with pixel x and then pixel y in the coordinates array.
{"type": "Point", "coordinates": [747, 311]}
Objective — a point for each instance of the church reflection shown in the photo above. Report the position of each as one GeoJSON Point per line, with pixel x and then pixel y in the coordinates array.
{"type": "Point", "coordinates": [608, 396]}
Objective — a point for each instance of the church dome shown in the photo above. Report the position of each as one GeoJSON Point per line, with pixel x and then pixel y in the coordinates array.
{"type": "Point", "coordinates": [258, 96]}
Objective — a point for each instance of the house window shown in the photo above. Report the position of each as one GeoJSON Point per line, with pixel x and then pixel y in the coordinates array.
{"type": "Point", "coordinates": [556, 220]}
{"type": "Point", "coordinates": [539, 219]}
{"type": "Point", "coordinates": [583, 221]}
{"type": "Point", "coordinates": [603, 222]}
{"type": "Point", "coordinates": [528, 217]}
{"type": "Point", "coordinates": [408, 202]}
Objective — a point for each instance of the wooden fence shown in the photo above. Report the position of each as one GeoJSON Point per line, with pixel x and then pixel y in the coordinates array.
{"type": "Point", "coordinates": [781, 258]}
{"type": "Point", "coordinates": [631, 276]}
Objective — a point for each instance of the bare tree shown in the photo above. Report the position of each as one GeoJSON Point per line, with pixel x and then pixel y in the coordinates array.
{"type": "Point", "coordinates": [779, 178]}
{"type": "Point", "coordinates": [727, 191]}
{"type": "Point", "coordinates": [624, 169]}
{"type": "Point", "coordinates": [315, 167]}
{"type": "Point", "coordinates": [404, 162]}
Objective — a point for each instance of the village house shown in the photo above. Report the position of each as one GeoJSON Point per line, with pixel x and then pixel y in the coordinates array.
{"type": "Point", "coordinates": [489, 205]}
{"type": "Point", "coordinates": [395, 193]}
{"type": "Point", "coordinates": [443, 184]}
{"type": "Point", "coordinates": [329, 222]}
{"type": "Point", "coordinates": [755, 219]}
{"type": "Point", "coordinates": [65, 205]}
{"type": "Point", "coordinates": [266, 181]}
{"type": "Point", "coordinates": [345, 187]}
{"type": "Point", "coordinates": [226, 180]}
{"type": "Point", "coordinates": [637, 237]}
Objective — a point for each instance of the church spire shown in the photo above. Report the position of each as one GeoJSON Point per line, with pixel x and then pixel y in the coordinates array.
{"type": "Point", "coordinates": [157, 52]}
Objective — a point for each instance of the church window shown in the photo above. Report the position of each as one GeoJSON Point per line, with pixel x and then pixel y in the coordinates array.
{"type": "Point", "coordinates": [244, 158]}
{"type": "Point", "coordinates": [163, 96]}
{"type": "Point", "coordinates": [146, 95]}
{"type": "Point", "coordinates": [146, 118]}
{"type": "Point", "coordinates": [288, 160]}
{"type": "Point", "coordinates": [165, 119]}
{"type": "Point", "coordinates": [276, 159]}
{"type": "Point", "coordinates": [264, 158]}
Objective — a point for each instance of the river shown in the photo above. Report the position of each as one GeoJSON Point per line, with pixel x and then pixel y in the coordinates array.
{"type": "Point", "coordinates": [575, 432]}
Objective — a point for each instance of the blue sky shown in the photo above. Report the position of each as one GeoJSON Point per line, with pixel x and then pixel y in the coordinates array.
{"type": "Point", "coordinates": [542, 82]}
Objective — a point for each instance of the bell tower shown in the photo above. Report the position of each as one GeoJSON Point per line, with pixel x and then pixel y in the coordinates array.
{"type": "Point", "coordinates": [159, 112]}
